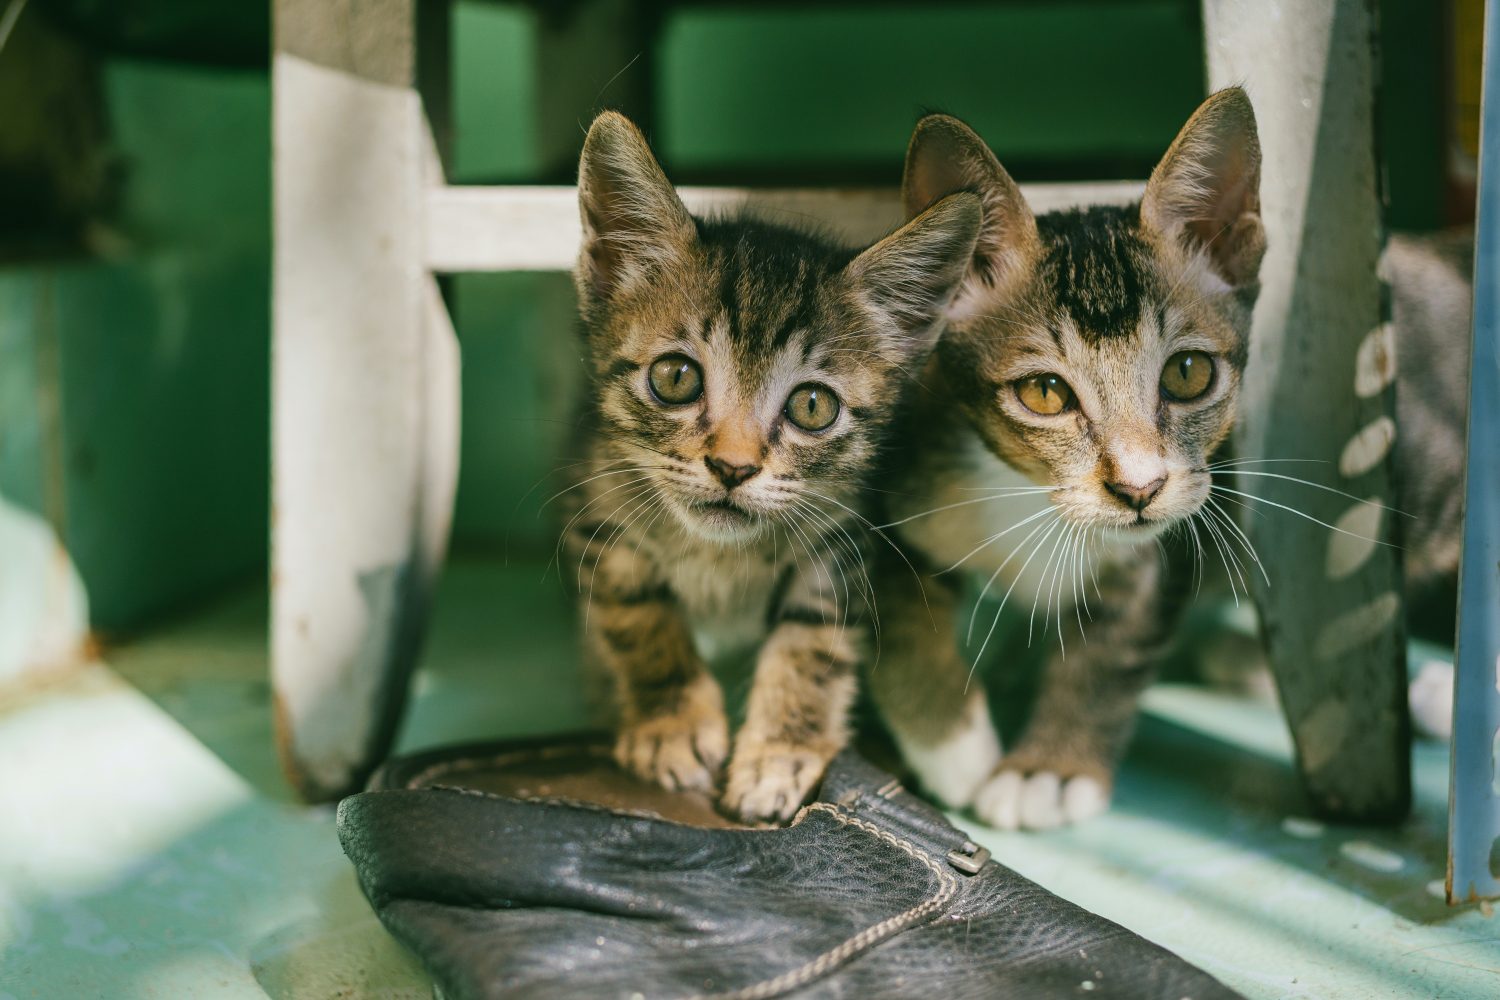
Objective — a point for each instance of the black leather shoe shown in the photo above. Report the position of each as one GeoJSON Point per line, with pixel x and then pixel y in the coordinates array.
{"type": "Point", "coordinates": [540, 870]}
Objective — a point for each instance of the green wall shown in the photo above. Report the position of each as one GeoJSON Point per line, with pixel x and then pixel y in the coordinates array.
{"type": "Point", "coordinates": [1079, 89]}
{"type": "Point", "coordinates": [135, 404]}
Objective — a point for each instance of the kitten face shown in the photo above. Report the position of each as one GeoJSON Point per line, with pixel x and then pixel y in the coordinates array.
{"type": "Point", "coordinates": [749, 369]}
{"type": "Point", "coordinates": [751, 378]}
{"type": "Point", "coordinates": [1100, 351]}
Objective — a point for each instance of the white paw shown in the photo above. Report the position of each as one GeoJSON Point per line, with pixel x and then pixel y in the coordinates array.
{"type": "Point", "coordinates": [954, 769]}
{"type": "Point", "coordinates": [1040, 801]}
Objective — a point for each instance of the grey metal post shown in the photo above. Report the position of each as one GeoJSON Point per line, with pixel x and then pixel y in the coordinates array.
{"type": "Point", "coordinates": [1322, 370]}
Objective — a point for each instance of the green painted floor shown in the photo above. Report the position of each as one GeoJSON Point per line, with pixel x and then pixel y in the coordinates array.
{"type": "Point", "coordinates": [148, 847]}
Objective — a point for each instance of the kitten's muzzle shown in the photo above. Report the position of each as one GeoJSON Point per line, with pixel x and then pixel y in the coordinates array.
{"type": "Point", "coordinates": [1137, 498]}
{"type": "Point", "coordinates": [729, 474]}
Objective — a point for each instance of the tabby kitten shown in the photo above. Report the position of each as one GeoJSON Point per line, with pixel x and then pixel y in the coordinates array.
{"type": "Point", "coordinates": [1090, 371]}
{"type": "Point", "coordinates": [741, 377]}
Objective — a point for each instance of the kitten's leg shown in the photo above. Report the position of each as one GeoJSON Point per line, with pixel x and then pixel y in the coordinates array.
{"type": "Point", "coordinates": [925, 690]}
{"type": "Point", "coordinates": [796, 720]}
{"type": "Point", "coordinates": [797, 716]}
{"type": "Point", "coordinates": [672, 728]}
{"type": "Point", "coordinates": [1062, 770]}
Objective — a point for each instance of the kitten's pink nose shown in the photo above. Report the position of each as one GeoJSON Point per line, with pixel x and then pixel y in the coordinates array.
{"type": "Point", "coordinates": [1136, 497]}
{"type": "Point", "coordinates": [729, 474]}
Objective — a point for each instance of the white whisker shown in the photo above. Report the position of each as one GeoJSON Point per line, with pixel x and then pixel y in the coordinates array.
{"type": "Point", "coordinates": [1244, 539]}
{"type": "Point", "coordinates": [1050, 525]}
{"type": "Point", "coordinates": [1309, 517]}
{"type": "Point", "coordinates": [959, 503]}
{"type": "Point", "coordinates": [1319, 486]}
{"type": "Point", "coordinates": [974, 614]}
{"type": "Point", "coordinates": [999, 535]}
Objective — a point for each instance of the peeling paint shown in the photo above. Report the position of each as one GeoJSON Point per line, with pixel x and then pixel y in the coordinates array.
{"type": "Point", "coordinates": [1371, 856]}
{"type": "Point", "coordinates": [1298, 826]}
{"type": "Point", "coordinates": [1356, 627]}
{"type": "Point", "coordinates": [1367, 448]}
{"type": "Point", "coordinates": [1354, 542]}
{"type": "Point", "coordinates": [1320, 733]}
{"type": "Point", "coordinates": [1375, 364]}
{"type": "Point", "coordinates": [1495, 764]}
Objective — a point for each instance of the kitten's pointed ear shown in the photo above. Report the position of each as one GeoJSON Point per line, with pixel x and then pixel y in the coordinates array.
{"type": "Point", "coordinates": [946, 156]}
{"type": "Point", "coordinates": [1205, 193]}
{"type": "Point", "coordinates": [633, 221]}
{"type": "Point", "coordinates": [911, 275]}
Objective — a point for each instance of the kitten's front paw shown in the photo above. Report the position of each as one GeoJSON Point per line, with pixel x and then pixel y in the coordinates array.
{"type": "Point", "coordinates": [769, 782]}
{"type": "Point", "coordinates": [1040, 799]}
{"type": "Point", "coordinates": [679, 751]}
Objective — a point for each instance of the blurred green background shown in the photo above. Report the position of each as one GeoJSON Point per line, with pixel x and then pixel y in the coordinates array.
{"type": "Point", "coordinates": [135, 223]}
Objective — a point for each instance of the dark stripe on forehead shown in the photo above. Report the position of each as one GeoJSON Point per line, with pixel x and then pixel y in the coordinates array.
{"type": "Point", "coordinates": [799, 301]}
{"type": "Point", "coordinates": [1094, 265]}
{"type": "Point", "coordinates": [768, 278]}
{"type": "Point", "coordinates": [729, 298]}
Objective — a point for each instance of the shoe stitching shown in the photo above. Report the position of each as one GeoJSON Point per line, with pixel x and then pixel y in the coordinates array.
{"type": "Point", "coordinates": [870, 936]}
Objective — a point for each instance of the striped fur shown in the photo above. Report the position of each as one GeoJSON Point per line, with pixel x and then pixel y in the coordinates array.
{"type": "Point", "coordinates": [1101, 298]}
{"type": "Point", "coordinates": [672, 558]}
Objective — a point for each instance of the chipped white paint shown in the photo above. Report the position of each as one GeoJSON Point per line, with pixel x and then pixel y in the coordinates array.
{"type": "Point", "coordinates": [1495, 764]}
{"type": "Point", "coordinates": [1375, 363]}
{"type": "Point", "coordinates": [1301, 827]}
{"type": "Point", "coordinates": [1356, 627]}
{"type": "Point", "coordinates": [1351, 546]}
{"type": "Point", "coordinates": [1321, 732]}
{"type": "Point", "coordinates": [954, 769]}
{"type": "Point", "coordinates": [1368, 448]}
{"type": "Point", "coordinates": [1368, 855]}
{"type": "Point", "coordinates": [1438, 889]}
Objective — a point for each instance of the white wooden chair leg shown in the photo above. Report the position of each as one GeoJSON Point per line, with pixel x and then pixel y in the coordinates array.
{"type": "Point", "coordinates": [1322, 368]}
{"type": "Point", "coordinates": [364, 387]}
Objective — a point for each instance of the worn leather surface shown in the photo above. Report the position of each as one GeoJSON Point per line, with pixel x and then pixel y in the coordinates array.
{"type": "Point", "coordinates": [500, 869]}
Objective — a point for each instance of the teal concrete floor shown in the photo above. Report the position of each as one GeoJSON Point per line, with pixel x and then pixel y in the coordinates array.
{"type": "Point", "coordinates": [148, 847]}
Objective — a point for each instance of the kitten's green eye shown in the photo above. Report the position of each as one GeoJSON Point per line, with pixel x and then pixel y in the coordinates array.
{"type": "Point", "coordinates": [812, 407]}
{"type": "Point", "coordinates": [1187, 375]}
{"type": "Point", "coordinates": [676, 380]}
{"type": "Point", "coordinates": [1045, 394]}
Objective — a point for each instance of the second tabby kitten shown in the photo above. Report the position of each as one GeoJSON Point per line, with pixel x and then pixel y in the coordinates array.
{"type": "Point", "coordinates": [741, 377]}
{"type": "Point", "coordinates": [1069, 421]}
{"type": "Point", "coordinates": [1066, 421]}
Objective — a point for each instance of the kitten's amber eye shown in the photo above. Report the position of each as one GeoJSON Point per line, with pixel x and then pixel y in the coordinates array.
{"type": "Point", "coordinates": [1187, 375]}
{"type": "Point", "coordinates": [812, 407]}
{"type": "Point", "coordinates": [1045, 394]}
{"type": "Point", "coordinates": [676, 380]}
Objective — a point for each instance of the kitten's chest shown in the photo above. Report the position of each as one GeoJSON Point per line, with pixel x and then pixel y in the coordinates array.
{"type": "Point", "coordinates": [726, 592]}
{"type": "Point", "coordinates": [994, 532]}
